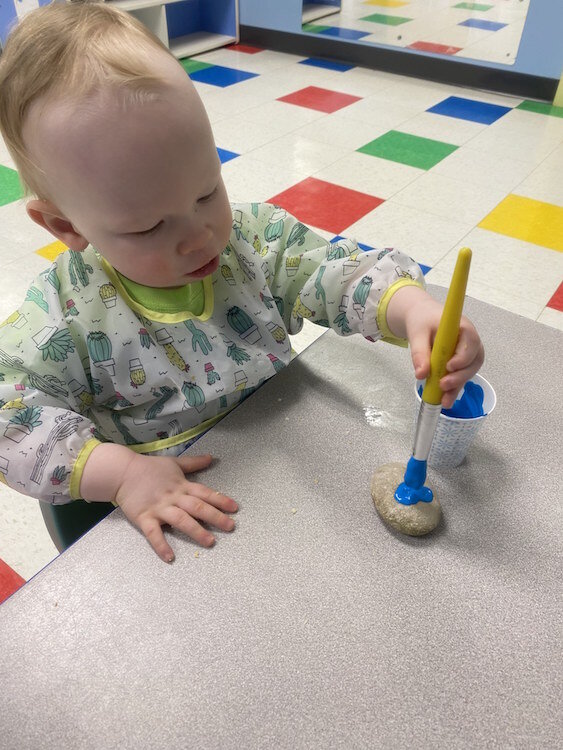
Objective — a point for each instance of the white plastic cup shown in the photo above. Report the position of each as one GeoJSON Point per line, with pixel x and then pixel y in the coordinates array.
{"type": "Point", "coordinates": [453, 435]}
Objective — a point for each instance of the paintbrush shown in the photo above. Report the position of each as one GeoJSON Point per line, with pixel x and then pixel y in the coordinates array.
{"type": "Point", "coordinates": [412, 490]}
{"type": "Point", "coordinates": [411, 507]}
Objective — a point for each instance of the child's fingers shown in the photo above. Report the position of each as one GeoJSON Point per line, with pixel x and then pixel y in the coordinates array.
{"type": "Point", "coordinates": [185, 521]}
{"type": "Point", "coordinates": [469, 352]}
{"type": "Point", "coordinates": [452, 383]}
{"type": "Point", "coordinates": [448, 399]}
{"type": "Point", "coordinates": [204, 511]}
{"type": "Point", "coordinates": [190, 464]}
{"type": "Point", "coordinates": [420, 354]}
{"type": "Point", "coordinates": [153, 532]}
{"type": "Point", "coordinates": [213, 497]}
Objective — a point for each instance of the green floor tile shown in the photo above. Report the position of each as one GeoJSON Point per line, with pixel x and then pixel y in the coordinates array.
{"type": "Point", "coordinates": [190, 66]}
{"type": "Point", "coordinates": [313, 28]}
{"type": "Point", "coordinates": [10, 186]}
{"type": "Point", "coordinates": [473, 6]}
{"type": "Point", "coordinates": [385, 19]}
{"type": "Point", "coordinates": [543, 108]}
{"type": "Point", "coordinates": [408, 149]}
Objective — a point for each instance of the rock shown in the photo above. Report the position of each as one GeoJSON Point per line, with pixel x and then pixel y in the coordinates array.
{"type": "Point", "coordinates": [414, 520]}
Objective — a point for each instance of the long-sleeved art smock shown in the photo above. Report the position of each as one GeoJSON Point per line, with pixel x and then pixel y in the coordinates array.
{"type": "Point", "coordinates": [85, 359]}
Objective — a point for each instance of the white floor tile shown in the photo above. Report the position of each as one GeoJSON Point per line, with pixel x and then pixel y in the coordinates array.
{"type": "Point", "coordinates": [379, 113]}
{"type": "Point", "coordinates": [545, 183]}
{"type": "Point", "coordinates": [260, 62]}
{"type": "Point", "coordinates": [241, 135]}
{"type": "Point", "coordinates": [25, 544]}
{"type": "Point", "coordinates": [503, 298]}
{"type": "Point", "coordinates": [441, 128]}
{"type": "Point", "coordinates": [525, 136]}
{"type": "Point", "coordinates": [416, 92]}
{"type": "Point", "coordinates": [309, 333]}
{"type": "Point", "coordinates": [555, 157]}
{"type": "Point", "coordinates": [297, 154]}
{"type": "Point", "coordinates": [425, 237]}
{"type": "Point", "coordinates": [247, 179]}
{"type": "Point", "coordinates": [369, 174]}
{"type": "Point", "coordinates": [19, 235]}
{"type": "Point", "coordinates": [447, 197]}
{"type": "Point", "coordinates": [474, 168]}
{"type": "Point", "coordinates": [298, 76]}
{"type": "Point", "coordinates": [5, 158]}
{"type": "Point", "coordinates": [337, 130]}
{"type": "Point", "coordinates": [288, 116]}
{"type": "Point", "coordinates": [550, 317]}
{"type": "Point", "coordinates": [519, 268]}
{"type": "Point", "coordinates": [362, 82]}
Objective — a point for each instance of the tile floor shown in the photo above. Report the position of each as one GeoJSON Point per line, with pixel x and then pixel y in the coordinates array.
{"type": "Point", "coordinates": [383, 158]}
{"type": "Point", "coordinates": [485, 30]}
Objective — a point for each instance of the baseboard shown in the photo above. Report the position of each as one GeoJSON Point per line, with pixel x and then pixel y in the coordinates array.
{"type": "Point", "coordinates": [397, 61]}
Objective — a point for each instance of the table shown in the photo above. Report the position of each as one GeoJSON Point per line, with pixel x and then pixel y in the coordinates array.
{"type": "Point", "coordinates": [319, 628]}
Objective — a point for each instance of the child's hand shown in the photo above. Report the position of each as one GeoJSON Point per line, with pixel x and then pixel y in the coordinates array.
{"type": "Point", "coordinates": [155, 491]}
{"type": "Point", "coordinates": [415, 314]}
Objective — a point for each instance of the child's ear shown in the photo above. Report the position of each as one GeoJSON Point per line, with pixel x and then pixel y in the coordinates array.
{"type": "Point", "coordinates": [48, 216]}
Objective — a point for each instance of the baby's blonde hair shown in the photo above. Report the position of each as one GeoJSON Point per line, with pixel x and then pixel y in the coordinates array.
{"type": "Point", "coordinates": [70, 51]}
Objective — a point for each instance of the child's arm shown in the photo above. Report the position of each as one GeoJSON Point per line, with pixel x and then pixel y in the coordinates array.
{"type": "Point", "coordinates": [378, 293]}
{"type": "Point", "coordinates": [153, 490]}
{"type": "Point", "coordinates": [415, 315]}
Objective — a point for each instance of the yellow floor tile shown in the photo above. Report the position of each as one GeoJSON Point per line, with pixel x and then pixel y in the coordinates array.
{"type": "Point", "coordinates": [50, 252]}
{"type": "Point", "coordinates": [529, 220]}
{"type": "Point", "coordinates": [387, 3]}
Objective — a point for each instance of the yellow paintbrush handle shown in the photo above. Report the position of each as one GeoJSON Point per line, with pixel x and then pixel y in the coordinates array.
{"type": "Point", "coordinates": [448, 328]}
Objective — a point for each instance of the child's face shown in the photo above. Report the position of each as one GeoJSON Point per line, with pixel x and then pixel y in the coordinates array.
{"type": "Point", "coordinates": [140, 182]}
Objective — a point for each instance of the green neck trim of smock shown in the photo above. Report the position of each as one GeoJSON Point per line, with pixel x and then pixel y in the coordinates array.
{"type": "Point", "coordinates": [168, 305]}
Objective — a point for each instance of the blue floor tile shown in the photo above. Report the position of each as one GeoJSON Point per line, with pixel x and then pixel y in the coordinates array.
{"type": "Point", "coordinates": [225, 155]}
{"type": "Point", "coordinates": [469, 109]}
{"type": "Point", "coordinates": [328, 64]}
{"type": "Point", "coordinates": [217, 75]}
{"type": "Point", "coordinates": [344, 33]}
{"type": "Point", "coordinates": [480, 23]}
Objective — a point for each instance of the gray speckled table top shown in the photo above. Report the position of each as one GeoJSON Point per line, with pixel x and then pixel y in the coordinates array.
{"type": "Point", "coordinates": [319, 628]}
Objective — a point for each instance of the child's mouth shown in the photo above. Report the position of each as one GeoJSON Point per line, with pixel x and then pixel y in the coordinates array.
{"type": "Point", "coordinates": [205, 270]}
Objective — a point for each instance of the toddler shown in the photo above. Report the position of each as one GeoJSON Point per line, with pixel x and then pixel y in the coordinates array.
{"type": "Point", "coordinates": [171, 305]}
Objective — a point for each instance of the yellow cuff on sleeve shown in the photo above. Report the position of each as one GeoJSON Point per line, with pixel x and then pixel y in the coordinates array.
{"type": "Point", "coordinates": [382, 310]}
{"type": "Point", "coordinates": [78, 468]}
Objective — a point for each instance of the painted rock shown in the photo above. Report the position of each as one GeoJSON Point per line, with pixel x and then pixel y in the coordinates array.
{"type": "Point", "coordinates": [414, 520]}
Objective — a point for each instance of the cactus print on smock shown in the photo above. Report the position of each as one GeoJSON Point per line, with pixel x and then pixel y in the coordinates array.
{"type": "Point", "coordinates": [80, 360]}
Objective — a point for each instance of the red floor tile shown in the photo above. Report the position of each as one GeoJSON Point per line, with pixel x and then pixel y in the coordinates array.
{"type": "Point", "coordinates": [246, 48]}
{"type": "Point", "coordinates": [10, 581]}
{"type": "Point", "coordinates": [556, 302]}
{"type": "Point", "coordinates": [442, 49]}
{"type": "Point", "coordinates": [324, 205]}
{"type": "Point", "coordinates": [322, 100]}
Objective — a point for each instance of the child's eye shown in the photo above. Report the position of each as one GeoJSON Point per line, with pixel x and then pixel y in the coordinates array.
{"type": "Point", "coordinates": [208, 197]}
{"type": "Point", "coordinates": [152, 230]}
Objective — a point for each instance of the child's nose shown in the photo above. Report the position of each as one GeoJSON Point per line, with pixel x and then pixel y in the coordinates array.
{"type": "Point", "coordinates": [195, 239]}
